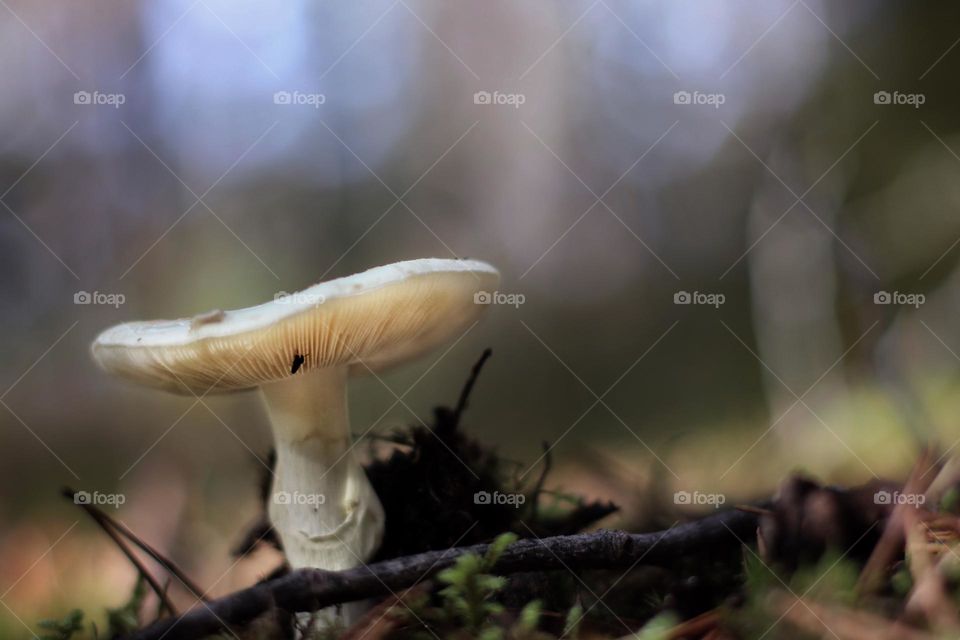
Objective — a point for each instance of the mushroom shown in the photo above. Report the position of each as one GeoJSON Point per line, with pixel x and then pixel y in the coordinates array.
{"type": "Point", "coordinates": [299, 350]}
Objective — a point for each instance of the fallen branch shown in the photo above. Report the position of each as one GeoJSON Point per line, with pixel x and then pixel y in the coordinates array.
{"type": "Point", "coordinates": [313, 589]}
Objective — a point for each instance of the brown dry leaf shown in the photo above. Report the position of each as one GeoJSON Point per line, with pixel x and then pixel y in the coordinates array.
{"type": "Point", "coordinates": [929, 595]}
{"type": "Point", "coordinates": [892, 540]}
{"type": "Point", "coordinates": [379, 621]}
{"type": "Point", "coordinates": [840, 622]}
{"type": "Point", "coordinates": [705, 623]}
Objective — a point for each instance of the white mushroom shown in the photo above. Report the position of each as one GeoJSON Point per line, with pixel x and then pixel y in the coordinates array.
{"type": "Point", "coordinates": [299, 350]}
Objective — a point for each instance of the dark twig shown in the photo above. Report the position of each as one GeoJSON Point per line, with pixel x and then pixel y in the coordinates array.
{"type": "Point", "coordinates": [468, 387]}
{"type": "Point", "coordinates": [162, 560]}
{"type": "Point", "coordinates": [313, 589]}
{"type": "Point", "coordinates": [538, 488]}
{"type": "Point", "coordinates": [99, 518]}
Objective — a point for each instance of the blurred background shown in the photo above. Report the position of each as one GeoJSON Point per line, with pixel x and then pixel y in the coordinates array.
{"type": "Point", "coordinates": [727, 232]}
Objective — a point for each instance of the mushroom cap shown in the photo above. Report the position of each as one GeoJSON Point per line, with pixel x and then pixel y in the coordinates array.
{"type": "Point", "coordinates": [368, 321]}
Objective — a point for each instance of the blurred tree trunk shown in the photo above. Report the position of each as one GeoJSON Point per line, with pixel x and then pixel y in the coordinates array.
{"type": "Point", "coordinates": [793, 282]}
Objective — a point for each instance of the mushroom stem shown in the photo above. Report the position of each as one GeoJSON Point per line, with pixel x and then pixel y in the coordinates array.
{"type": "Point", "coordinates": [322, 506]}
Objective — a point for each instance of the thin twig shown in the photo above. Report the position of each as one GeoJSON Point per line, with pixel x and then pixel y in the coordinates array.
{"type": "Point", "coordinates": [94, 514]}
{"type": "Point", "coordinates": [162, 560]}
{"type": "Point", "coordinates": [468, 387]}
{"type": "Point", "coordinates": [538, 488]}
